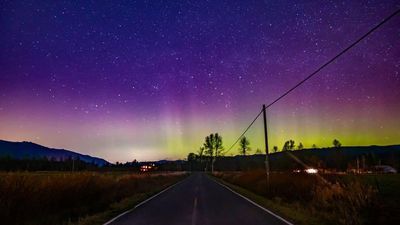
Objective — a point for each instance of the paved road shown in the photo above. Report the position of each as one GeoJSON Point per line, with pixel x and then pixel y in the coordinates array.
{"type": "Point", "coordinates": [197, 200]}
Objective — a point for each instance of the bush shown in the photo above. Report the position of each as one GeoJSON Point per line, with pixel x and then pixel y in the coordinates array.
{"type": "Point", "coordinates": [329, 198]}
{"type": "Point", "coordinates": [58, 198]}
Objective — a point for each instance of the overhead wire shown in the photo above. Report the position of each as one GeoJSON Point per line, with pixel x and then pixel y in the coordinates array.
{"type": "Point", "coordinates": [315, 72]}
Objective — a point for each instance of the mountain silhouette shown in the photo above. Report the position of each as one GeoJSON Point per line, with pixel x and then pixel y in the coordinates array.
{"type": "Point", "coordinates": [21, 150]}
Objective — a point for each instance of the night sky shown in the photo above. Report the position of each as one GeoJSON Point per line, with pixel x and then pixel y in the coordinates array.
{"type": "Point", "coordinates": [148, 80]}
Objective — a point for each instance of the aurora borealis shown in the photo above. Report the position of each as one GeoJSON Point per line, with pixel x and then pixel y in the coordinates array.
{"type": "Point", "coordinates": [149, 80]}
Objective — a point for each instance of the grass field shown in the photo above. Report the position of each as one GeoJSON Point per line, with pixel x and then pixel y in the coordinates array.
{"type": "Point", "coordinates": [328, 199]}
{"type": "Point", "coordinates": [74, 198]}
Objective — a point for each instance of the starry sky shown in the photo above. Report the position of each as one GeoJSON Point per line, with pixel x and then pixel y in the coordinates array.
{"type": "Point", "coordinates": [149, 80]}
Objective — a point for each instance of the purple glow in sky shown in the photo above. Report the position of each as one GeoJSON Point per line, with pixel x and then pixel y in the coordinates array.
{"type": "Point", "coordinates": [149, 79]}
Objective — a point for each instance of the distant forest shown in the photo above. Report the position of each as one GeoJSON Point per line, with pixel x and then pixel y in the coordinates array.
{"type": "Point", "coordinates": [334, 159]}
{"type": "Point", "coordinates": [210, 157]}
{"type": "Point", "coordinates": [44, 164]}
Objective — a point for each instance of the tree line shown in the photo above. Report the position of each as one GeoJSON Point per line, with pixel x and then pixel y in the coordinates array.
{"type": "Point", "coordinates": [44, 164]}
{"type": "Point", "coordinates": [212, 149]}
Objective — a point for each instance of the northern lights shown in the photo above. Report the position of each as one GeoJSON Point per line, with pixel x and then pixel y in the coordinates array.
{"type": "Point", "coordinates": [149, 80]}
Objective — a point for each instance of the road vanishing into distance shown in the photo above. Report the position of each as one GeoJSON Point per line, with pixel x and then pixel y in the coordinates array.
{"type": "Point", "coordinates": [197, 200]}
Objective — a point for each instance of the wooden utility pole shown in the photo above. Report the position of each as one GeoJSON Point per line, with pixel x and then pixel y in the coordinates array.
{"type": "Point", "coordinates": [266, 145]}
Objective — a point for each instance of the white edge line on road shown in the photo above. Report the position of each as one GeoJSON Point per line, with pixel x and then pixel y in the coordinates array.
{"type": "Point", "coordinates": [141, 203]}
{"type": "Point", "coordinates": [259, 206]}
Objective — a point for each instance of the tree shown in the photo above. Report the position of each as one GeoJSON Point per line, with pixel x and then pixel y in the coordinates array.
{"type": "Point", "coordinates": [191, 157]}
{"type": "Point", "coordinates": [275, 149]}
{"type": "Point", "coordinates": [209, 145]}
{"type": "Point", "coordinates": [285, 146]}
{"type": "Point", "coordinates": [258, 151]}
{"type": "Point", "coordinates": [218, 145]}
{"type": "Point", "coordinates": [244, 145]}
{"type": "Point", "coordinates": [314, 146]}
{"type": "Point", "coordinates": [336, 143]}
{"type": "Point", "coordinates": [213, 147]}
{"type": "Point", "coordinates": [291, 145]}
{"type": "Point", "coordinates": [200, 152]}
{"type": "Point", "coordinates": [218, 149]}
{"type": "Point", "coordinates": [300, 146]}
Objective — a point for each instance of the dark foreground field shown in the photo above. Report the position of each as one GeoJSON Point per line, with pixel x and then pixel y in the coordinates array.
{"type": "Point", "coordinates": [89, 198]}
{"type": "Point", "coordinates": [327, 199]}
{"type": "Point", "coordinates": [74, 198]}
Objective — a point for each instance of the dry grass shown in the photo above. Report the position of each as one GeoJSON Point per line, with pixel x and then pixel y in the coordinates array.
{"type": "Point", "coordinates": [329, 199]}
{"type": "Point", "coordinates": [61, 198]}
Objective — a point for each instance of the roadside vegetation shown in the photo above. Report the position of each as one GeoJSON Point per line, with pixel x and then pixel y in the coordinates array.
{"type": "Point", "coordinates": [292, 156]}
{"type": "Point", "coordinates": [328, 199]}
{"type": "Point", "coordinates": [28, 198]}
{"type": "Point", "coordinates": [331, 185]}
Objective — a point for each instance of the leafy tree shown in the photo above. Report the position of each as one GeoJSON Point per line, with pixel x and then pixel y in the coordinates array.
{"type": "Point", "coordinates": [213, 147]}
{"type": "Point", "coordinates": [209, 147]}
{"type": "Point", "coordinates": [314, 146]}
{"type": "Point", "coordinates": [258, 151]}
{"type": "Point", "coordinates": [291, 145]}
{"type": "Point", "coordinates": [336, 143]}
{"type": "Point", "coordinates": [200, 152]}
{"type": "Point", "coordinates": [218, 149]}
{"type": "Point", "coordinates": [300, 146]}
{"type": "Point", "coordinates": [192, 157]}
{"type": "Point", "coordinates": [218, 144]}
{"type": "Point", "coordinates": [209, 144]}
{"type": "Point", "coordinates": [275, 149]}
{"type": "Point", "coordinates": [286, 146]}
{"type": "Point", "coordinates": [244, 145]}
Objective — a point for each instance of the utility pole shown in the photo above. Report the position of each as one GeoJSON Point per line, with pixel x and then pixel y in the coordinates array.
{"type": "Point", "coordinates": [266, 145]}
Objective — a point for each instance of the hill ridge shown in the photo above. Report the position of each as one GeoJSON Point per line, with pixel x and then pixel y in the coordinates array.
{"type": "Point", "coordinates": [28, 149]}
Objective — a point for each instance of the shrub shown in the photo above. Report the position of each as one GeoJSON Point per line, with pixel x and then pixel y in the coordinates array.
{"type": "Point", "coordinates": [57, 198]}
{"type": "Point", "coordinates": [330, 198]}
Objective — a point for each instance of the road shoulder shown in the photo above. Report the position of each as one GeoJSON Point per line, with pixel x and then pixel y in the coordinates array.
{"type": "Point", "coordinates": [288, 212]}
{"type": "Point", "coordinates": [124, 206]}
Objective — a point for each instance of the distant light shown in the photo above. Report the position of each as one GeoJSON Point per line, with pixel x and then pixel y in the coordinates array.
{"type": "Point", "coordinates": [146, 168]}
{"type": "Point", "coordinates": [311, 170]}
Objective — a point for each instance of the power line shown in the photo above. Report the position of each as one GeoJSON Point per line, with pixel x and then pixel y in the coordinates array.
{"type": "Point", "coordinates": [237, 140]}
{"type": "Point", "coordinates": [316, 71]}
{"type": "Point", "coordinates": [334, 58]}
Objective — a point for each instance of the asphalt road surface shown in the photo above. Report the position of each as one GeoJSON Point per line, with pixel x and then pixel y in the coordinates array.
{"type": "Point", "coordinates": [197, 200]}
